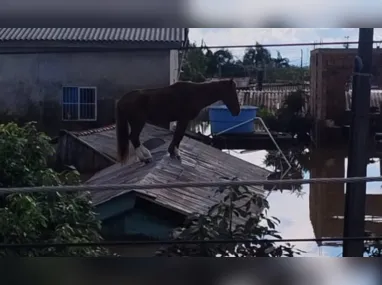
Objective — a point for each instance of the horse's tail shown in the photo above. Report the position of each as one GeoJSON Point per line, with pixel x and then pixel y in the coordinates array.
{"type": "Point", "coordinates": [122, 130]}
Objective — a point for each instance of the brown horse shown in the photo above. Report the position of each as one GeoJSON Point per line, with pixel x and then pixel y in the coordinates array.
{"type": "Point", "coordinates": [181, 102]}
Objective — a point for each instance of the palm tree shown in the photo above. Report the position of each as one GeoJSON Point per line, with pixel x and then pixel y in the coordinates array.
{"type": "Point", "coordinates": [280, 61]}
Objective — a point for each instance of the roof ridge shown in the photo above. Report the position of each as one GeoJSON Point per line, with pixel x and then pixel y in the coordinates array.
{"type": "Point", "coordinates": [93, 131]}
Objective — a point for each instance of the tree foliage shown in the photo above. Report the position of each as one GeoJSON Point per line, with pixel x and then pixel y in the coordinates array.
{"type": "Point", "coordinates": [200, 63]}
{"type": "Point", "coordinates": [50, 217]}
{"type": "Point", "coordinates": [240, 215]}
{"type": "Point", "coordinates": [194, 65]}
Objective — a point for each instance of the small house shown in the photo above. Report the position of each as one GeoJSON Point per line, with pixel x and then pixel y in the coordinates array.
{"type": "Point", "coordinates": [71, 77]}
{"type": "Point", "coordinates": [151, 214]}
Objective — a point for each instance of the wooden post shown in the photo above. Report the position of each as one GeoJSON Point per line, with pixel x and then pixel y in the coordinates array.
{"type": "Point", "coordinates": [354, 217]}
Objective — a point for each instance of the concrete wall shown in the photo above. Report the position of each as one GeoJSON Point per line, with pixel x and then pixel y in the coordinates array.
{"type": "Point", "coordinates": [31, 84]}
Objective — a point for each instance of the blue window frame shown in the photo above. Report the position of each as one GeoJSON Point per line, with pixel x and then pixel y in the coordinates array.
{"type": "Point", "coordinates": [79, 103]}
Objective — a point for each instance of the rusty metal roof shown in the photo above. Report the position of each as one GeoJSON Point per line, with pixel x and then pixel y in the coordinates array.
{"type": "Point", "coordinates": [94, 34]}
{"type": "Point", "coordinates": [200, 162]}
{"type": "Point", "coordinates": [272, 99]}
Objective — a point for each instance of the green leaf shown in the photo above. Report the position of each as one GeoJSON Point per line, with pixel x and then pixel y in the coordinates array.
{"type": "Point", "coordinates": [50, 217]}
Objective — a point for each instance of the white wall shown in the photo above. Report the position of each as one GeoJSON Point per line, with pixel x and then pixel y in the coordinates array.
{"type": "Point", "coordinates": [174, 66]}
{"type": "Point", "coordinates": [174, 72]}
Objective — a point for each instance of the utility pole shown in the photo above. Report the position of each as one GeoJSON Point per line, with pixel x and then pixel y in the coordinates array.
{"type": "Point", "coordinates": [302, 72]}
{"type": "Point", "coordinates": [354, 218]}
{"type": "Point", "coordinates": [347, 44]}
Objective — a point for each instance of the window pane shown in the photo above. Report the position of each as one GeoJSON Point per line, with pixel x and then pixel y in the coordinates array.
{"type": "Point", "coordinates": [70, 111]}
{"type": "Point", "coordinates": [87, 111]}
{"type": "Point", "coordinates": [70, 95]}
{"type": "Point", "coordinates": [87, 96]}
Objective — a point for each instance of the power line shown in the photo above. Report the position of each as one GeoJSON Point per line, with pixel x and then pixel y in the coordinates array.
{"type": "Point", "coordinates": [13, 50]}
{"type": "Point", "coordinates": [171, 242]}
{"type": "Point", "coordinates": [277, 45]}
{"type": "Point", "coordinates": [125, 187]}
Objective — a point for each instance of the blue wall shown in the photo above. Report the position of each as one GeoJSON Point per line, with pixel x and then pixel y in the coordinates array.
{"type": "Point", "coordinates": [116, 206]}
{"type": "Point", "coordinates": [120, 218]}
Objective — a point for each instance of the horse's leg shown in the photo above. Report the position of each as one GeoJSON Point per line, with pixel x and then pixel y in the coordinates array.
{"type": "Point", "coordinates": [173, 149]}
{"type": "Point", "coordinates": [142, 153]}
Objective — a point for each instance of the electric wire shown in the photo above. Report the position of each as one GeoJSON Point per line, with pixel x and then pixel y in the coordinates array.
{"type": "Point", "coordinates": [229, 183]}
{"type": "Point", "coordinates": [182, 242]}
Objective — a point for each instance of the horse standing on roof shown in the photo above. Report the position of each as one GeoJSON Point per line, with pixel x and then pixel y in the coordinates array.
{"type": "Point", "coordinates": [181, 102]}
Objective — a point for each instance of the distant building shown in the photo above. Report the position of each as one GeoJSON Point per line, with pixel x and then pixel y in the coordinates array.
{"type": "Point", "coordinates": [241, 82]}
{"type": "Point", "coordinates": [70, 77]}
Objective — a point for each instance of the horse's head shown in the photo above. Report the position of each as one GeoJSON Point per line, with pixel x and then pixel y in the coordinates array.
{"type": "Point", "coordinates": [229, 96]}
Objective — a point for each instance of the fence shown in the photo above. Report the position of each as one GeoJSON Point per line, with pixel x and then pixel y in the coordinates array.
{"type": "Point", "coordinates": [94, 188]}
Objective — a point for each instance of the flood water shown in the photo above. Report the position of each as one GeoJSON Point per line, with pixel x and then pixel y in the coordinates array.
{"type": "Point", "coordinates": [316, 211]}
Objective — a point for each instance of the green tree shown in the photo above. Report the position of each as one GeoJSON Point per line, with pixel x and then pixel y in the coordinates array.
{"type": "Point", "coordinates": [194, 65]}
{"type": "Point", "coordinates": [263, 56]}
{"type": "Point", "coordinates": [249, 57]}
{"type": "Point", "coordinates": [241, 215]}
{"type": "Point", "coordinates": [257, 57]}
{"type": "Point", "coordinates": [50, 217]}
{"type": "Point", "coordinates": [280, 61]}
{"type": "Point", "coordinates": [212, 64]}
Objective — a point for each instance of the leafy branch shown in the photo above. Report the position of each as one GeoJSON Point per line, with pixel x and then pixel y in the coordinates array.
{"type": "Point", "coordinates": [41, 217]}
{"type": "Point", "coordinates": [241, 214]}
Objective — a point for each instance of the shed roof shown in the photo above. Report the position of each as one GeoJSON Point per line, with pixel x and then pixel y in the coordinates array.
{"type": "Point", "coordinates": [94, 34]}
{"type": "Point", "coordinates": [200, 162]}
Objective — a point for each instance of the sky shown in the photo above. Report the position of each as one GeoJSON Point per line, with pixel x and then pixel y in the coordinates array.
{"type": "Point", "coordinates": [249, 36]}
{"type": "Point", "coordinates": [292, 13]}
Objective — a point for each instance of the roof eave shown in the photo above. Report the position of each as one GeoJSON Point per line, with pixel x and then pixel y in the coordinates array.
{"type": "Point", "coordinates": [18, 46]}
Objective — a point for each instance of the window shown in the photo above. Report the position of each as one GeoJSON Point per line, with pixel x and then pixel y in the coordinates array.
{"type": "Point", "coordinates": [79, 104]}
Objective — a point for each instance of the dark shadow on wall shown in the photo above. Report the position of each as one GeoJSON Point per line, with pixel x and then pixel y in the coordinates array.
{"type": "Point", "coordinates": [48, 115]}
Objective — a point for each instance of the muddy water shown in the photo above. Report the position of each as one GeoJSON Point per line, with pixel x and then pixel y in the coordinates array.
{"type": "Point", "coordinates": [316, 211]}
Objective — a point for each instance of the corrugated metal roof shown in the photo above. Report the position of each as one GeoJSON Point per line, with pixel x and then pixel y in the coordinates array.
{"type": "Point", "coordinates": [103, 139]}
{"type": "Point", "coordinates": [94, 34]}
{"type": "Point", "coordinates": [273, 99]}
{"type": "Point", "coordinates": [200, 162]}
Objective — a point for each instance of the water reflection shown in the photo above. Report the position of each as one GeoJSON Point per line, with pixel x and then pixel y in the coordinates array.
{"type": "Point", "coordinates": [317, 210]}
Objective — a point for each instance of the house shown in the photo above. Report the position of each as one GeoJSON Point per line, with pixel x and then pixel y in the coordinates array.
{"type": "Point", "coordinates": [151, 214]}
{"type": "Point", "coordinates": [71, 77]}
{"type": "Point", "coordinates": [241, 82]}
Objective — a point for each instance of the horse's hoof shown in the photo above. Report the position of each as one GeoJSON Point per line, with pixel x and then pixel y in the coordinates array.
{"type": "Point", "coordinates": [174, 156]}
{"type": "Point", "coordinates": [148, 160]}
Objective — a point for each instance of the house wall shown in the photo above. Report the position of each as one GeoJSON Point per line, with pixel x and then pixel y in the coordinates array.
{"type": "Point", "coordinates": [136, 222]}
{"type": "Point", "coordinates": [31, 84]}
{"type": "Point", "coordinates": [69, 151]}
{"type": "Point", "coordinates": [132, 223]}
{"type": "Point", "coordinates": [330, 70]}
